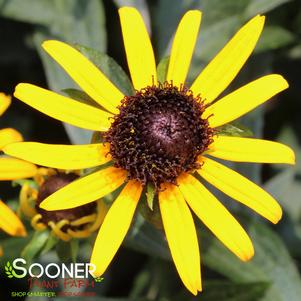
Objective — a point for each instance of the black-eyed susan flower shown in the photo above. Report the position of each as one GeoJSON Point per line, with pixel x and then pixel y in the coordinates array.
{"type": "Point", "coordinates": [11, 169]}
{"type": "Point", "coordinates": [79, 222]}
{"type": "Point", "coordinates": [161, 135]}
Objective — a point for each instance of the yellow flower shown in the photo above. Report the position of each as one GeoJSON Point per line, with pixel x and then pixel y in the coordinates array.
{"type": "Point", "coordinates": [161, 135]}
{"type": "Point", "coordinates": [78, 222]}
{"type": "Point", "coordinates": [11, 169]}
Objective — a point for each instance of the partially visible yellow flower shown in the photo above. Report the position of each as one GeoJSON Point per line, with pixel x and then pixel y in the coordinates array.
{"type": "Point", "coordinates": [161, 135]}
{"type": "Point", "coordinates": [11, 169]}
{"type": "Point", "coordinates": [9, 221]}
{"type": "Point", "coordinates": [68, 224]}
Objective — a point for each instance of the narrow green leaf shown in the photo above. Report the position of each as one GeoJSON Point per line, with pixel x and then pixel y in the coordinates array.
{"type": "Point", "coordinates": [162, 69]}
{"type": "Point", "coordinates": [68, 20]}
{"type": "Point", "coordinates": [271, 263]}
{"type": "Point", "coordinates": [21, 182]}
{"type": "Point", "coordinates": [63, 250]}
{"type": "Point", "coordinates": [97, 137]}
{"type": "Point", "coordinates": [262, 6]}
{"type": "Point", "coordinates": [58, 80]}
{"type": "Point", "coordinates": [150, 195]}
{"type": "Point", "coordinates": [145, 238]}
{"type": "Point", "coordinates": [74, 248]}
{"type": "Point", "coordinates": [50, 243]}
{"type": "Point", "coordinates": [35, 246]}
{"type": "Point", "coordinates": [234, 129]}
{"type": "Point", "coordinates": [109, 67]}
{"type": "Point", "coordinates": [274, 37]}
{"type": "Point", "coordinates": [80, 96]}
{"type": "Point", "coordinates": [67, 250]}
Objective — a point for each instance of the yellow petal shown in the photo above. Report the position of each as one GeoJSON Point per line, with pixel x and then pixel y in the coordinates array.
{"type": "Point", "coordinates": [115, 227]}
{"type": "Point", "coordinates": [183, 46]}
{"type": "Point", "coordinates": [216, 217]}
{"type": "Point", "coordinates": [138, 48]}
{"type": "Point", "coordinates": [250, 150]}
{"type": "Point", "coordinates": [5, 102]}
{"type": "Point", "coordinates": [9, 136]}
{"type": "Point", "coordinates": [60, 156]}
{"type": "Point", "coordinates": [12, 169]}
{"type": "Point", "coordinates": [85, 74]}
{"type": "Point", "coordinates": [181, 236]}
{"type": "Point", "coordinates": [85, 190]}
{"type": "Point", "coordinates": [63, 108]}
{"type": "Point", "coordinates": [219, 73]}
{"type": "Point", "coordinates": [245, 99]}
{"type": "Point", "coordinates": [9, 221]}
{"type": "Point", "coordinates": [241, 189]}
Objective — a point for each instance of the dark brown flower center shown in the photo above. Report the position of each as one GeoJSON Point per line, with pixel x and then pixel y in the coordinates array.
{"type": "Point", "coordinates": [158, 134]}
{"type": "Point", "coordinates": [51, 185]}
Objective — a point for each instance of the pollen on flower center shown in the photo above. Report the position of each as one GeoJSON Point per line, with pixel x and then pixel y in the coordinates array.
{"type": "Point", "coordinates": [159, 133]}
{"type": "Point", "coordinates": [51, 185]}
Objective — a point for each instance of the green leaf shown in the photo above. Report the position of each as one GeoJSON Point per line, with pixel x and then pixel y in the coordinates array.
{"type": "Point", "coordinates": [50, 243]}
{"type": "Point", "coordinates": [227, 291]}
{"type": "Point", "coordinates": [80, 96]}
{"type": "Point", "coordinates": [274, 37]}
{"type": "Point", "coordinates": [262, 6]}
{"type": "Point", "coordinates": [13, 246]}
{"type": "Point", "coordinates": [67, 250]}
{"type": "Point", "coordinates": [145, 238]}
{"type": "Point", "coordinates": [72, 21]}
{"type": "Point", "coordinates": [162, 69]}
{"type": "Point", "coordinates": [69, 20]}
{"type": "Point", "coordinates": [234, 129]}
{"type": "Point", "coordinates": [35, 246]}
{"type": "Point", "coordinates": [74, 248]}
{"type": "Point", "coordinates": [271, 263]}
{"type": "Point", "coordinates": [97, 137]}
{"type": "Point", "coordinates": [109, 67]}
{"type": "Point", "coordinates": [21, 182]}
{"type": "Point", "coordinates": [59, 80]}
{"type": "Point", "coordinates": [150, 195]}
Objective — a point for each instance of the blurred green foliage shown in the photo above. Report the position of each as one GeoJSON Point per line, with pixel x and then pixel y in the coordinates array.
{"type": "Point", "coordinates": [274, 273]}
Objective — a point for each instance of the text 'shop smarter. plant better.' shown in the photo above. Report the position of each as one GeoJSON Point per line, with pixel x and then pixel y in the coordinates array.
{"type": "Point", "coordinates": [163, 135]}
{"type": "Point", "coordinates": [11, 169]}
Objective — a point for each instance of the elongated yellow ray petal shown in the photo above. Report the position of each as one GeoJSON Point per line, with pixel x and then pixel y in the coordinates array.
{"type": "Point", "coordinates": [9, 136]}
{"type": "Point", "coordinates": [9, 221]}
{"type": "Point", "coordinates": [86, 189]}
{"type": "Point", "coordinates": [138, 48]}
{"type": "Point", "coordinates": [183, 46]}
{"type": "Point", "coordinates": [240, 189]}
{"type": "Point", "coordinates": [60, 156]}
{"type": "Point", "coordinates": [216, 217]}
{"type": "Point", "coordinates": [181, 236]}
{"type": "Point", "coordinates": [85, 74]}
{"type": "Point", "coordinates": [63, 108]}
{"type": "Point", "coordinates": [12, 169]}
{"type": "Point", "coordinates": [115, 226]}
{"type": "Point", "coordinates": [250, 150]}
{"type": "Point", "coordinates": [219, 73]}
{"type": "Point", "coordinates": [245, 99]}
{"type": "Point", "coordinates": [5, 102]}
